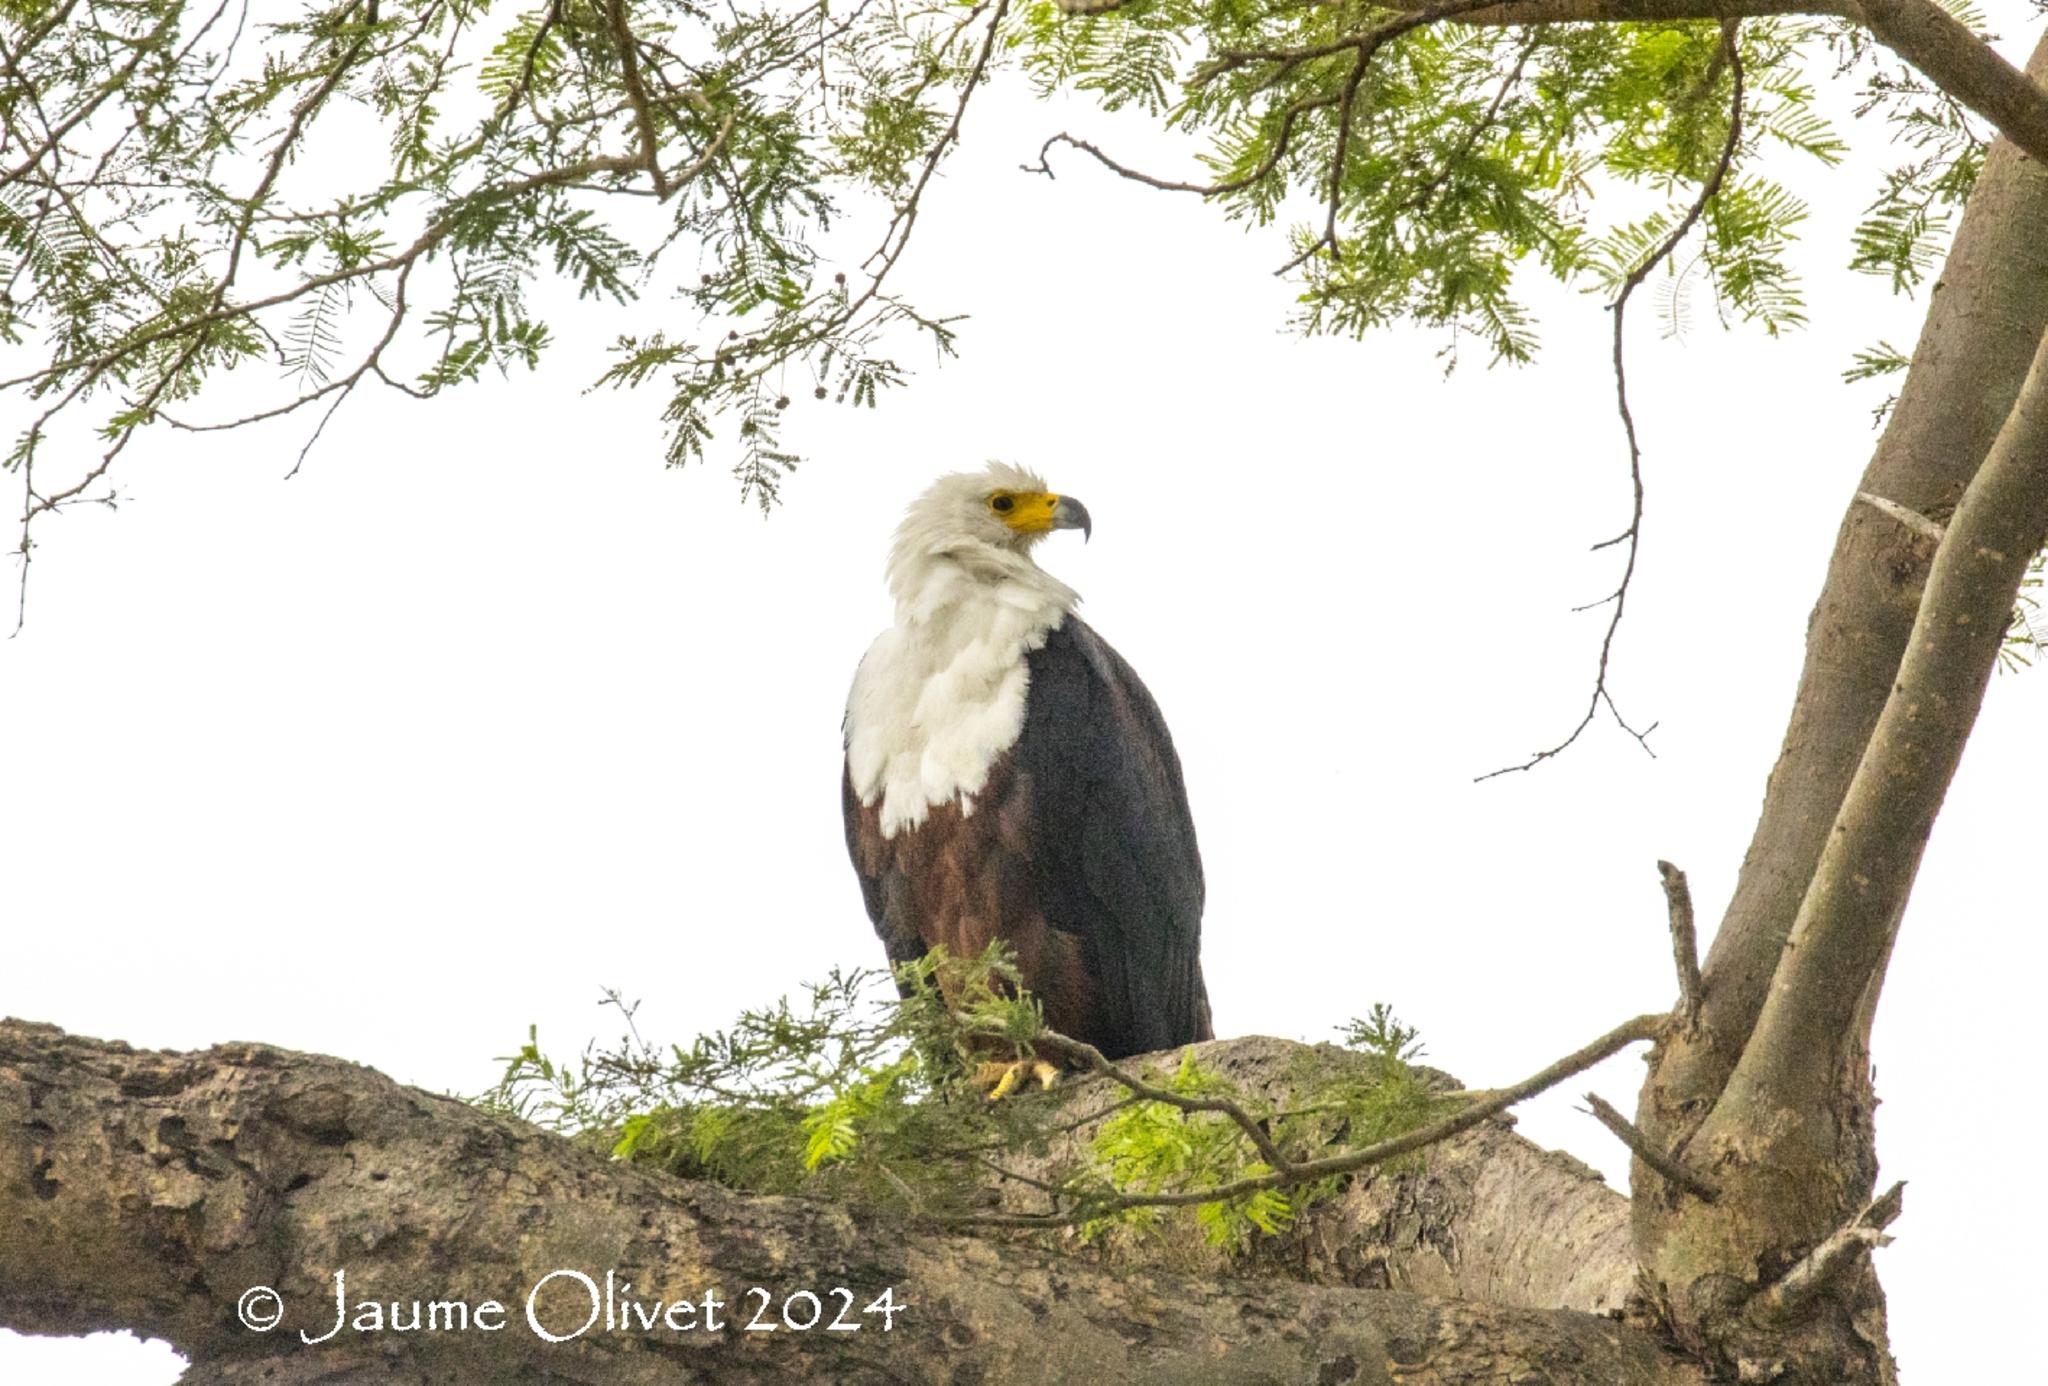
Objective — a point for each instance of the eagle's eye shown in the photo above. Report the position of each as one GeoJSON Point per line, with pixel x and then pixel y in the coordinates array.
{"type": "Point", "coordinates": [1000, 504]}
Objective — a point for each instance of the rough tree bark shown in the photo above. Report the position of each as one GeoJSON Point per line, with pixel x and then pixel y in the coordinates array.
{"type": "Point", "coordinates": [150, 1190]}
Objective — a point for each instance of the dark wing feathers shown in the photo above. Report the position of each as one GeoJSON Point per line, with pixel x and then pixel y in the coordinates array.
{"type": "Point", "coordinates": [1080, 853]}
{"type": "Point", "coordinates": [1115, 851]}
{"type": "Point", "coordinates": [883, 890]}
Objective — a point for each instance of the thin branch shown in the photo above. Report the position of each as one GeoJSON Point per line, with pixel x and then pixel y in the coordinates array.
{"type": "Point", "coordinates": [437, 231]}
{"type": "Point", "coordinates": [1266, 166]}
{"type": "Point", "coordinates": [524, 84]}
{"type": "Point", "coordinates": [1061, 1129]}
{"type": "Point", "coordinates": [1671, 1170]}
{"type": "Point", "coordinates": [144, 408]}
{"type": "Point", "coordinates": [54, 138]}
{"type": "Point", "coordinates": [1093, 1059]}
{"type": "Point", "coordinates": [1786, 1298]}
{"type": "Point", "coordinates": [1363, 44]}
{"type": "Point", "coordinates": [1290, 1173]}
{"type": "Point", "coordinates": [897, 235]}
{"type": "Point", "coordinates": [1367, 41]}
{"type": "Point", "coordinates": [1345, 107]}
{"type": "Point", "coordinates": [1685, 947]}
{"type": "Point", "coordinates": [1001, 1172]}
{"type": "Point", "coordinates": [1633, 535]}
{"type": "Point", "coordinates": [372, 363]}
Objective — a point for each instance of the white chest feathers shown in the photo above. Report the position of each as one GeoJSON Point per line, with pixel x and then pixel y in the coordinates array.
{"type": "Point", "coordinates": [941, 694]}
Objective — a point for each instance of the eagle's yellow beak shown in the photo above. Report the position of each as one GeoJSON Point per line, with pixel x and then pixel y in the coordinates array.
{"type": "Point", "coordinates": [1037, 512]}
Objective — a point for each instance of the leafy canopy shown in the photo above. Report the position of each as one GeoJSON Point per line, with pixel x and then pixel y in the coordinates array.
{"type": "Point", "coordinates": [367, 192]}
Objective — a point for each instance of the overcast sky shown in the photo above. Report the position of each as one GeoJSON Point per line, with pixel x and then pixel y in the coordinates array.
{"type": "Point", "coordinates": [486, 710]}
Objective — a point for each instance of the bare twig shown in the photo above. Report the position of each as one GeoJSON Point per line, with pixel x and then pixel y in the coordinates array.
{"type": "Point", "coordinates": [1281, 143]}
{"type": "Point", "coordinates": [1785, 1298]}
{"type": "Point", "coordinates": [1363, 43]}
{"type": "Point", "coordinates": [1671, 1170]}
{"type": "Point", "coordinates": [340, 388]}
{"type": "Point", "coordinates": [1685, 948]}
{"type": "Point", "coordinates": [1911, 519]}
{"type": "Point", "coordinates": [1632, 536]}
{"type": "Point", "coordinates": [1088, 1118]}
{"type": "Point", "coordinates": [897, 235]}
{"type": "Point", "coordinates": [1015, 1176]}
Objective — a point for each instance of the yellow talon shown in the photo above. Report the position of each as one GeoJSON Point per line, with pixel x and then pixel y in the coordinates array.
{"type": "Point", "coordinates": [1004, 1077]}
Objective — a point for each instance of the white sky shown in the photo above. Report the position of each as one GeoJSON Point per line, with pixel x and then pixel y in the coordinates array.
{"type": "Point", "coordinates": [487, 710]}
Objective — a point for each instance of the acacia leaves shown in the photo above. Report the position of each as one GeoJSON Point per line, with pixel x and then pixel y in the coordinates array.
{"type": "Point", "coordinates": [1426, 164]}
{"type": "Point", "coordinates": [856, 1095]}
{"type": "Point", "coordinates": [375, 194]}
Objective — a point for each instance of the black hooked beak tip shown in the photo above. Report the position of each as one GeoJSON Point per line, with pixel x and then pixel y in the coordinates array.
{"type": "Point", "coordinates": [1071, 514]}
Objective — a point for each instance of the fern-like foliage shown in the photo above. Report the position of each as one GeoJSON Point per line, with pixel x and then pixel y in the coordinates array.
{"type": "Point", "coordinates": [171, 204]}
{"type": "Point", "coordinates": [1426, 167]}
{"type": "Point", "coordinates": [856, 1094]}
{"type": "Point", "coordinates": [169, 209]}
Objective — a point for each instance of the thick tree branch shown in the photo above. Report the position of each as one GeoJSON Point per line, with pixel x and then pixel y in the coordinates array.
{"type": "Point", "coordinates": [151, 1190]}
{"type": "Point", "coordinates": [1520, 12]}
{"type": "Point", "coordinates": [1973, 354]}
{"type": "Point", "coordinates": [1843, 927]}
{"type": "Point", "coordinates": [1919, 31]}
{"type": "Point", "coordinates": [1961, 64]}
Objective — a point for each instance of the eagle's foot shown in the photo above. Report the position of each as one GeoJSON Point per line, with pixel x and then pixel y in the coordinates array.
{"type": "Point", "coordinates": [1001, 1079]}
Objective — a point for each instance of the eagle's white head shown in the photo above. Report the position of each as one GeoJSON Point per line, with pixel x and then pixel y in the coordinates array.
{"type": "Point", "coordinates": [980, 525]}
{"type": "Point", "coordinates": [941, 693]}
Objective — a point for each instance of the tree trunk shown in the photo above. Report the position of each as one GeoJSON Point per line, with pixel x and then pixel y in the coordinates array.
{"type": "Point", "coordinates": [1770, 1094]}
{"type": "Point", "coordinates": [1987, 313]}
{"type": "Point", "coordinates": [151, 1191]}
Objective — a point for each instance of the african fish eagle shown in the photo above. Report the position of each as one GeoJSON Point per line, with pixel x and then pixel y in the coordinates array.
{"type": "Point", "coordinates": [1008, 777]}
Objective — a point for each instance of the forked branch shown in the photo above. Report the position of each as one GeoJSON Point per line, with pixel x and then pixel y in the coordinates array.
{"type": "Point", "coordinates": [1841, 936]}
